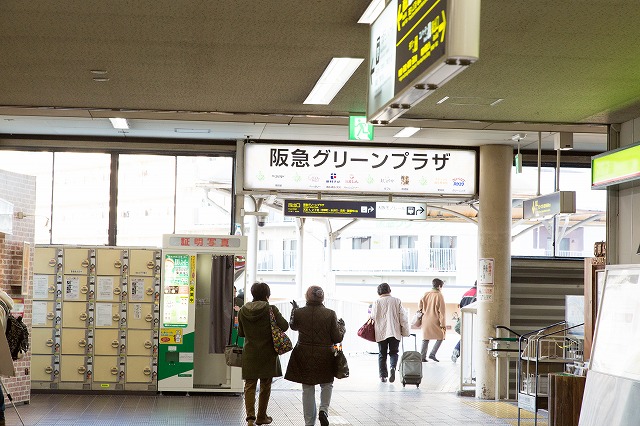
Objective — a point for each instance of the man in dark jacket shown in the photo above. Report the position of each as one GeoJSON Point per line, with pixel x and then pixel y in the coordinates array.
{"type": "Point", "coordinates": [312, 361]}
{"type": "Point", "coordinates": [468, 298]}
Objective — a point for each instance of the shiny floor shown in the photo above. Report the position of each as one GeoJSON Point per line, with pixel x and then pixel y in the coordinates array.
{"type": "Point", "coordinates": [360, 399]}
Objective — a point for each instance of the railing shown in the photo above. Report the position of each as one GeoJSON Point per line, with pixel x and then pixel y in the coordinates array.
{"type": "Point", "coordinates": [265, 261]}
{"type": "Point", "coordinates": [442, 259]}
{"type": "Point", "coordinates": [289, 260]}
{"type": "Point", "coordinates": [395, 260]}
{"type": "Point", "coordinates": [567, 253]}
{"type": "Point", "coordinates": [409, 260]}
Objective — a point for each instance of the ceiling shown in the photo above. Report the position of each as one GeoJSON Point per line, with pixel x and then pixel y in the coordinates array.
{"type": "Point", "coordinates": [229, 70]}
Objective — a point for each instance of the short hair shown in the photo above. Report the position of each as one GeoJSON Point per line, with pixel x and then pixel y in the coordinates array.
{"type": "Point", "coordinates": [437, 283]}
{"type": "Point", "coordinates": [384, 288]}
{"type": "Point", "coordinates": [260, 291]}
{"type": "Point", "coordinates": [314, 294]}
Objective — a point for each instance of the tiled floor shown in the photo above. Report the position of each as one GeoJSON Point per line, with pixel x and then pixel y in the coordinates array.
{"type": "Point", "coordinates": [360, 399]}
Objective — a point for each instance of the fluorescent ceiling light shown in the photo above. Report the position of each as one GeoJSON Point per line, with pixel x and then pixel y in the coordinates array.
{"type": "Point", "coordinates": [332, 79]}
{"type": "Point", "coordinates": [119, 123]}
{"type": "Point", "coordinates": [406, 132]}
{"type": "Point", "coordinates": [374, 10]}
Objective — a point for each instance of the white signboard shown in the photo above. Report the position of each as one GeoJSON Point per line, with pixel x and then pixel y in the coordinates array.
{"type": "Point", "coordinates": [401, 210]}
{"type": "Point", "coordinates": [401, 170]}
{"type": "Point", "coordinates": [382, 59]}
{"type": "Point", "coordinates": [486, 270]}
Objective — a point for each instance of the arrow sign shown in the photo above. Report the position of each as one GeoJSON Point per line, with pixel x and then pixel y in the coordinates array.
{"type": "Point", "coordinates": [411, 211]}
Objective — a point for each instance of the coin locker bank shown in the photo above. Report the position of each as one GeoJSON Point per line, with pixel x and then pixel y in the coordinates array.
{"type": "Point", "coordinates": [196, 312]}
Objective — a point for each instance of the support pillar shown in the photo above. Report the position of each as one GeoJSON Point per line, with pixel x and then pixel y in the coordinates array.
{"type": "Point", "coordinates": [494, 242]}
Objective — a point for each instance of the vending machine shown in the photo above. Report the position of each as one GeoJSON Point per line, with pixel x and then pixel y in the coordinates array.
{"type": "Point", "coordinates": [197, 312]}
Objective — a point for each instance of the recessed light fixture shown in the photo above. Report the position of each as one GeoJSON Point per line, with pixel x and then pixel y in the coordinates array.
{"type": "Point", "coordinates": [184, 130]}
{"type": "Point", "coordinates": [442, 100]}
{"type": "Point", "coordinates": [374, 10]}
{"type": "Point", "coordinates": [406, 132]}
{"type": "Point", "coordinates": [99, 72]}
{"type": "Point", "coordinates": [334, 77]}
{"type": "Point", "coordinates": [119, 123]}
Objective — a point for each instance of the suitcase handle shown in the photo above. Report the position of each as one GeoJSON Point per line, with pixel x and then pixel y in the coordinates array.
{"type": "Point", "coordinates": [415, 341]}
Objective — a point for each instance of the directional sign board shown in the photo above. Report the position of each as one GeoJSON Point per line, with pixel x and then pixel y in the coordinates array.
{"type": "Point", "coordinates": [355, 209]}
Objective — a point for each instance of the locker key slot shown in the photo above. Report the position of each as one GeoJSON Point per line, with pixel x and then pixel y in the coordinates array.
{"type": "Point", "coordinates": [149, 291]}
{"type": "Point", "coordinates": [83, 316]}
{"type": "Point", "coordinates": [117, 264]}
{"type": "Point", "coordinates": [151, 264]}
{"type": "Point", "coordinates": [148, 318]}
{"type": "Point", "coordinates": [148, 344]}
{"type": "Point", "coordinates": [82, 369]}
{"type": "Point", "coordinates": [49, 343]}
{"type": "Point", "coordinates": [147, 371]}
{"type": "Point", "coordinates": [84, 289]}
{"type": "Point", "coordinates": [116, 290]}
{"type": "Point", "coordinates": [84, 263]}
{"type": "Point", "coordinates": [115, 344]}
{"type": "Point", "coordinates": [51, 289]}
{"type": "Point", "coordinates": [48, 369]}
{"type": "Point", "coordinates": [82, 343]}
{"type": "Point", "coordinates": [116, 317]}
{"type": "Point", "coordinates": [50, 315]}
{"type": "Point", "coordinates": [114, 371]}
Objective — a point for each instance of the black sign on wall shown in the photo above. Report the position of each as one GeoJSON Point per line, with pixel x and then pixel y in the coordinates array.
{"type": "Point", "coordinates": [328, 208]}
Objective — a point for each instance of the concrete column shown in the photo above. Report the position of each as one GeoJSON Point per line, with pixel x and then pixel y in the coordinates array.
{"type": "Point", "coordinates": [494, 242]}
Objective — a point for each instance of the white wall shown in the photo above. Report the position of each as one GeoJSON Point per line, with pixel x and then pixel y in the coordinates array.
{"type": "Point", "coordinates": [628, 220]}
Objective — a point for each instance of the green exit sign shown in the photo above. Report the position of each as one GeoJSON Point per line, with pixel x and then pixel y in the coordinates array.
{"type": "Point", "coordinates": [359, 129]}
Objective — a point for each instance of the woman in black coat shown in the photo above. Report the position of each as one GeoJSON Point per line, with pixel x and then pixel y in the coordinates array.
{"type": "Point", "coordinates": [312, 361]}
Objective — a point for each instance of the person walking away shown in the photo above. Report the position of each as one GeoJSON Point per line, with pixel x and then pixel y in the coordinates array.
{"type": "Point", "coordinates": [8, 302]}
{"type": "Point", "coordinates": [391, 323]}
{"type": "Point", "coordinates": [467, 298]}
{"type": "Point", "coordinates": [434, 326]}
{"type": "Point", "coordinates": [312, 361]}
{"type": "Point", "coordinates": [259, 360]}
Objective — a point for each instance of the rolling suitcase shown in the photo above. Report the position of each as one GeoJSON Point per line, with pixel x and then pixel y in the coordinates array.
{"type": "Point", "coordinates": [411, 365]}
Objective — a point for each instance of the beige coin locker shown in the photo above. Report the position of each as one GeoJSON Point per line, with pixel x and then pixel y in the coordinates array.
{"type": "Point", "coordinates": [74, 341]}
{"type": "Point", "coordinates": [75, 314]}
{"type": "Point", "coordinates": [76, 261]}
{"type": "Point", "coordinates": [42, 341]}
{"type": "Point", "coordinates": [109, 261]}
{"type": "Point", "coordinates": [73, 368]}
{"type": "Point", "coordinates": [105, 369]}
{"type": "Point", "coordinates": [142, 263]}
{"type": "Point", "coordinates": [45, 260]}
{"type": "Point", "coordinates": [139, 369]}
{"type": "Point", "coordinates": [140, 342]}
{"type": "Point", "coordinates": [107, 315]}
{"type": "Point", "coordinates": [141, 289]}
{"type": "Point", "coordinates": [42, 368]}
{"type": "Point", "coordinates": [107, 342]}
{"type": "Point", "coordinates": [50, 287]}
{"type": "Point", "coordinates": [108, 288]}
{"type": "Point", "coordinates": [75, 288]}
{"type": "Point", "coordinates": [43, 314]}
{"type": "Point", "coordinates": [140, 316]}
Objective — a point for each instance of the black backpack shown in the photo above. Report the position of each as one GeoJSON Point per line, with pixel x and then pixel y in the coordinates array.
{"type": "Point", "coordinates": [17, 333]}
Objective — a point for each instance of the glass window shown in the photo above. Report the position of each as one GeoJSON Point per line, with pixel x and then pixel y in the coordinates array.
{"type": "Point", "coordinates": [81, 198]}
{"type": "Point", "coordinates": [40, 165]}
{"type": "Point", "coordinates": [361, 243]}
{"type": "Point", "coordinates": [402, 241]}
{"type": "Point", "coordinates": [146, 188]}
{"type": "Point", "coordinates": [203, 195]}
{"type": "Point", "coordinates": [263, 244]}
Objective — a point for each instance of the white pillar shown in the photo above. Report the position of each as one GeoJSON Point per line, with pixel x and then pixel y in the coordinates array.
{"type": "Point", "coordinates": [300, 258]}
{"type": "Point", "coordinates": [494, 242]}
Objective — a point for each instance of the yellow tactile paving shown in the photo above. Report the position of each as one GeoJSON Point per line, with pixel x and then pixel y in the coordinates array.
{"type": "Point", "coordinates": [505, 410]}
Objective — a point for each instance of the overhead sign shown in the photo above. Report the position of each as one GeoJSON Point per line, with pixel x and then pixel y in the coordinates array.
{"type": "Point", "coordinates": [561, 202]}
{"type": "Point", "coordinates": [359, 129]}
{"type": "Point", "coordinates": [416, 47]}
{"type": "Point", "coordinates": [614, 167]}
{"type": "Point", "coordinates": [369, 170]}
{"type": "Point", "coordinates": [355, 209]}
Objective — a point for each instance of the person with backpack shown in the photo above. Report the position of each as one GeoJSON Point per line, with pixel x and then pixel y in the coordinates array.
{"type": "Point", "coordinates": [5, 299]}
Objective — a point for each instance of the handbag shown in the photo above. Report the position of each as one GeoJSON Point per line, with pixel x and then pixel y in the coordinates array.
{"type": "Point", "coordinates": [416, 322]}
{"type": "Point", "coordinates": [233, 354]}
{"type": "Point", "coordinates": [341, 366]}
{"type": "Point", "coordinates": [368, 331]}
{"type": "Point", "coordinates": [281, 342]}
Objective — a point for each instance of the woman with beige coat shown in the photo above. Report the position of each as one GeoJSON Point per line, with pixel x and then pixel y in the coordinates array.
{"type": "Point", "coordinates": [434, 326]}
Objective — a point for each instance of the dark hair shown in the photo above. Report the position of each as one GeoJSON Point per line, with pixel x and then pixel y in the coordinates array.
{"type": "Point", "coordinates": [260, 291]}
{"type": "Point", "coordinates": [437, 283]}
{"type": "Point", "coordinates": [384, 288]}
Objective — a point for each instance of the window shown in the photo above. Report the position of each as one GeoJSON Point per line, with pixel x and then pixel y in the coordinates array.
{"type": "Point", "coordinates": [336, 243]}
{"type": "Point", "coordinates": [403, 241]}
{"type": "Point", "coordinates": [289, 254]}
{"type": "Point", "coordinates": [263, 244]}
{"type": "Point", "coordinates": [361, 243]}
{"type": "Point", "coordinates": [443, 242]}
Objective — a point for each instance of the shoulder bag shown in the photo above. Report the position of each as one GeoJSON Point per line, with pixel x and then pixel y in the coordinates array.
{"type": "Point", "coordinates": [281, 342]}
{"type": "Point", "coordinates": [368, 331]}
{"type": "Point", "coordinates": [233, 354]}
{"type": "Point", "coordinates": [416, 321]}
{"type": "Point", "coordinates": [341, 366]}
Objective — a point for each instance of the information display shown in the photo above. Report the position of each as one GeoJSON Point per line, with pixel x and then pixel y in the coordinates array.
{"type": "Point", "coordinates": [355, 209]}
{"type": "Point", "coordinates": [177, 282]}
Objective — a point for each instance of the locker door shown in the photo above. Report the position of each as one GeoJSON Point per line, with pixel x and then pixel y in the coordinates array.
{"type": "Point", "coordinates": [75, 288]}
{"type": "Point", "coordinates": [106, 342]}
{"type": "Point", "coordinates": [139, 369]}
{"type": "Point", "coordinates": [42, 341]}
{"type": "Point", "coordinates": [74, 341]}
{"type": "Point", "coordinates": [42, 368]}
{"type": "Point", "coordinates": [108, 262]}
{"type": "Point", "coordinates": [44, 287]}
{"type": "Point", "coordinates": [140, 315]}
{"type": "Point", "coordinates": [107, 315]}
{"type": "Point", "coordinates": [43, 314]}
{"type": "Point", "coordinates": [76, 261]}
{"type": "Point", "coordinates": [140, 342]}
{"type": "Point", "coordinates": [75, 315]}
{"type": "Point", "coordinates": [142, 262]}
{"type": "Point", "coordinates": [108, 288]}
{"type": "Point", "coordinates": [141, 289]}
{"type": "Point", "coordinates": [72, 368]}
{"type": "Point", "coordinates": [105, 369]}
{"type": "Point", "coordinates": [45, 260]}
